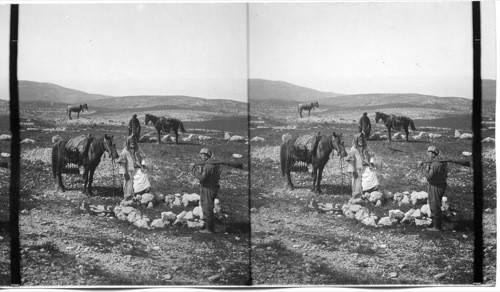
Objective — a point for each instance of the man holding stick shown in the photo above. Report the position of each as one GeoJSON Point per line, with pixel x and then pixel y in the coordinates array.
{"type": "Point", "coordinates": [209, 175]}
{"type": "Point", "coordinates": [436, 172]}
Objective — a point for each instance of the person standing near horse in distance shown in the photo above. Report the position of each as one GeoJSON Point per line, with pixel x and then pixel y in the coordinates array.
{"type": "Point", "coordinates": [132, 165]}
{"type": "Point", "coordinates": [365, 125]}
{"type": "Point", "coordinates": [358, 158]}
{"type": "Point", "coordinates": [209, 175]}
{"type": "Point", "coordinates": [134, 127]}
{"type": "Point", "coordinates": [436, 173]}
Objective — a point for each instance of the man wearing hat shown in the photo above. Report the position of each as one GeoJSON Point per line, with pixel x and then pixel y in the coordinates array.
{"type": "Point", "coordinates": [436, 173]}
{"type": "Point", "coordinates": [134, 127]}
{"type": "Point", "coordinates": [365, 125]}
{"type": "Point", "coordinates": [209, 175]}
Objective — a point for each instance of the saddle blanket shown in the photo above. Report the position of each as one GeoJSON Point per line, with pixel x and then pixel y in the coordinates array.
{"type": "Point", "coordinates": [304, 142]}
{"type": "Point", "coordinates": [76, 143]}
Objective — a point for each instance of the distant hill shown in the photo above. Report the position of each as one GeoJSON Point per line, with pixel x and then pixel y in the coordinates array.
{"type": "Point", "coordinates": [489, 88]}
{"type": "Point", "coordinates": [44, 94]}
{"type": "Point", "coordinates": [155, 102]}
{"type": "Point", "coordinates": [397, 100]}
{"type": "Point", "coordinates": [261, 89]}
{"type": "Point", "coordinates": [36, 96]}
{"type": "Point", "coordinates": [282, 94]}
{"type": "Point", "coordinates": [36, 91]}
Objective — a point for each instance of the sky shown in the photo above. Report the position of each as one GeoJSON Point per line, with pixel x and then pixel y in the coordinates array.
{"type": "Point", "coordinates": [205, 50]}
{"type": "Point", "coordinates": [137, 49]}
{"type": "Point", "coordinates": [355, 48]}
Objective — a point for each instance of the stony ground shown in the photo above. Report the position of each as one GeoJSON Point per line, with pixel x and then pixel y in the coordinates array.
{"type": "Point", "coordinates": [294, 243]}
{"type": "Point", "coordinates": [63, 245]}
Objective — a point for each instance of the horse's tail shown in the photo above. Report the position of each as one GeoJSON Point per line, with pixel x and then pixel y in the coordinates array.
{"type": "Point", "coordinates": [283, 157]}
{"type": "Point", "coordinates": [181, 126]}
{"type": "Point", "coordinates": [412, 125]}
{"type": "Point", "coordinates": [55, 157]}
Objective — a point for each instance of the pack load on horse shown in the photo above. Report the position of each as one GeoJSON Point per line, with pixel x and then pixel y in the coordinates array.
{"type": "Point", "coordinates": [83, 151]}
{"type": "Point", "coordinates": [307, 107]}
{"type": "Point", "coordinates": [311, 149]}
{"type": "Point", "coordinates": [365, 125]}
{"type": "Point", "coordinates": [166, 125]}
{"type": "Point", "coordinates": [396, 123]}
{"type": "Point", "coordinates": [77, 109]}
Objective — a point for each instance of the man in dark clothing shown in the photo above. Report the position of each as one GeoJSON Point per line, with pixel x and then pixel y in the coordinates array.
{"type": "Point", "coordinates": [436, 173]}
{"type": "Point", "coordinates": [365, 125]}
{"type": "Point", "coordinates": [134, 127]}
{"type": "Point", "coordinates": [209, 175]}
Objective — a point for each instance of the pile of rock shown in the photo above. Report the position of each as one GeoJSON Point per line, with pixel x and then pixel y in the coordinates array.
{"type": "Point", "coordinates": [357, 208]}
{"type": "Point", "coordinates": [421, 136]}
{"type": "Point", "coordinates": [5, 137]}
{"type": "Point", "coordinates": [461, 135]}
{"type": "Point", "coordinates": [378, 136]}
{"type": "Point", "coordinates": [191, 219]}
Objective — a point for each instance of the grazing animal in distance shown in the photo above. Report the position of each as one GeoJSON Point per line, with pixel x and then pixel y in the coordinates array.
{"type": "Point", "coordinates": [395, 122]}
{"type": "Point", "coordinates": [166, 125]}
{"type": "Point", "coordinates": [307, 107]}
{"type": "Point", "coordinates": [89, 156]}
{"type": "Point", "coordinates": [316, 152]}
{"type": "Point", "coordinates": [77, 109]}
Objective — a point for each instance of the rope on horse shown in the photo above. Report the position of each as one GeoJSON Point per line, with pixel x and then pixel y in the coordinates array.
{"type": "Point", "coordinates": [113, 172]}
{"type": "Point", "coordinates": [341, 175]}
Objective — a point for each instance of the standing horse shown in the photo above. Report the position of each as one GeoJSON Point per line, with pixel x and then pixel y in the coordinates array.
{"type": "Point", "coordinates": [90, 159]}
{"type": "Point", "coordinates": [77, 109]}
{"type": "Point", "coordinates": [396, 122]}
{"type": "Point", "coordinates": [307, 107]}
{"type": "Point", "coordinates": [318, 156]}
{"type": "Point", "coordinates": [165, 125]}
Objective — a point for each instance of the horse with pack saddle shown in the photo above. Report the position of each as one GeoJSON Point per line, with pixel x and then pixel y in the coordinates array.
{"type": "Point", "coordinates": [86, 151]}
{"type": "Point", "coordinates": [311, 149]}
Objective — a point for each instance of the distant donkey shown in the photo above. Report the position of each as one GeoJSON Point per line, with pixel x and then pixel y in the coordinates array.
{"type": "Point", "coordinates": [77, 109]}
{"type": "Point", "coordinates": [307, 107]}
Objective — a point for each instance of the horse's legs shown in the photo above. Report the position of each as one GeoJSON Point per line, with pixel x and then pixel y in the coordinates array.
{"type": "Point", "coordinates": [60, 184]}
{"type": "Point", "coordinates": [320, 176]}
{"type": "Point", "coordinates": [176, 137]}
{"type": "Point", "coordinates": [407, 133]}
{"type": "Point", "coordinates": [288, 168]}
{"type": "Point", "coordinates": [91, 178]}
{"type": "Point", "coordinates": [389, 131]}
{"type": "Point", "coordinates": [78, 115]}
{"type": "Point", "coordinates": [300, 113]}
{"type": "Point", "coordinates": [69, 114]}
{"type": "Point", "coordinates": [159, 140]}
{"type": "Point", "coordinates": [309, 114]}
{"type": "Point", "coordinates": [85, 179]}
{"type": "Point", "coordinates": [314, 175]}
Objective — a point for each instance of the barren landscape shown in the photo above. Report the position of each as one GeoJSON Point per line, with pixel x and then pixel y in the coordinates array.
{"type": "Point", "coordinates": [64, 244]}
{"type": "Point", "coordinates": [266, 234]}
{"type": "Point", "coordinates": [302, 238]}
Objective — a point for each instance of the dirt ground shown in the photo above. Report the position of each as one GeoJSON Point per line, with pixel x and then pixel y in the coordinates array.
{"type": "Point", "coordinates": [64, 245]}
{"type": "Point", "coordinates": [295, 244]}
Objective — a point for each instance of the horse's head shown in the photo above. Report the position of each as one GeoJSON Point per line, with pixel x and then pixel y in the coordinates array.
{"type": "Point", "coordinates": [84, 106]}
{"type": "Point", "coordinates": [147, 119]}
{"type": "Point", "coordinates": [377, 117]}
{"type": "Point", "coordinates": [338, 144]}
{"type": "Point", "coordinates": [316, 104]}
{"type": "Point", "coordinates": [110, 146]}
